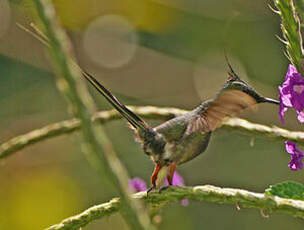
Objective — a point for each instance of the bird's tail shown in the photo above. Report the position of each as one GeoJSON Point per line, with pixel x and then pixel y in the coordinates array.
{"type": "Point", "coordinates": [131, 117]}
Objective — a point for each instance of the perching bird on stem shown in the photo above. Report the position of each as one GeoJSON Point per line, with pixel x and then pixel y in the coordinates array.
{"type": "Point", "coordinates": [185, 137]}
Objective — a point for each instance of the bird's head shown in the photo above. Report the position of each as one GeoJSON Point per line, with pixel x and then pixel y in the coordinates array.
{"type": "Point", "coordinates": [235, 82]}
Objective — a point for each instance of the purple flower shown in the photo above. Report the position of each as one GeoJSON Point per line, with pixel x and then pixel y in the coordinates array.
{"type": "Point", "coordinates": [296, 156]}
{"type": "Point", "coordinates": [291, 93]}
{"type": "Point", "coordinates": [137, 184]}
{"type": "Point", "coordinates": [177, 180]}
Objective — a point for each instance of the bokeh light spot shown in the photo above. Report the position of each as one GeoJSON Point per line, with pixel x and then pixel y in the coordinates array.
{"type": "Point", "coordinates": [110, 41]}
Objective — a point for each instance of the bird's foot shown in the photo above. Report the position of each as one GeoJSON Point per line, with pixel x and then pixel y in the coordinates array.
{"type": "Point", "coordinates": [150, 189]}
{"type": "Point", "coordinates": [164, 188]}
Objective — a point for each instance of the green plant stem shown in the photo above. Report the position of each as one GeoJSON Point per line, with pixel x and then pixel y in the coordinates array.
{"type": "Point", "coordinates": [238, 197]}
{"type": "Point", "coordinates": [290, 26]}
{"type": "Point", "coordinates": [95, 139]}
{"type": "Point", "coordinates": [147, 112]}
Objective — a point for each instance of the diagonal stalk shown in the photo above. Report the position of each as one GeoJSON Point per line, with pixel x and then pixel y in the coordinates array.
{"type": "Point", "coordinates": [95, 139]}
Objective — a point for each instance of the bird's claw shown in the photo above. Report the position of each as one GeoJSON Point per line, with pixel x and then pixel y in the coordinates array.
{"type": "Point", "coordinates": [150, 189]}
{"type": "Point", "coordinates": [164, 188]}
{"type": "Point", "coordinates": [160, 190]}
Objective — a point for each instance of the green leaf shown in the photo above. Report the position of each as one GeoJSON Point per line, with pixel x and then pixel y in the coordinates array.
{"type": "Point", "coordinates": [287, 189]}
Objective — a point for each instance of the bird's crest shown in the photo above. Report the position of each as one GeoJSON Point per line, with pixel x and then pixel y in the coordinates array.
{"type": "Point", "coordinates": [232, 75]}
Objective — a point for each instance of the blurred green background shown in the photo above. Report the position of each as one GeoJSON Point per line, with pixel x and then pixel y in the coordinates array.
{"type": "Point", "coordinates": [149, 52]}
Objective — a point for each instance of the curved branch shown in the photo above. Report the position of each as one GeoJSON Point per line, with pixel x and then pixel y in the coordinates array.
{"type": "Point", "coordinates": [148, 112]}
{"type": "Point", "coordinates": [239, 197]}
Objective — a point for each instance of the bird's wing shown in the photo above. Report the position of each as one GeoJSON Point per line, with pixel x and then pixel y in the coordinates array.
{"type": "Point", "coordinates": [229, 103]}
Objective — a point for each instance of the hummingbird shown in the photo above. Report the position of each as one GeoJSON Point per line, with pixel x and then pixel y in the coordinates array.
{"type": "Point", "coordinates": [183, 138]}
